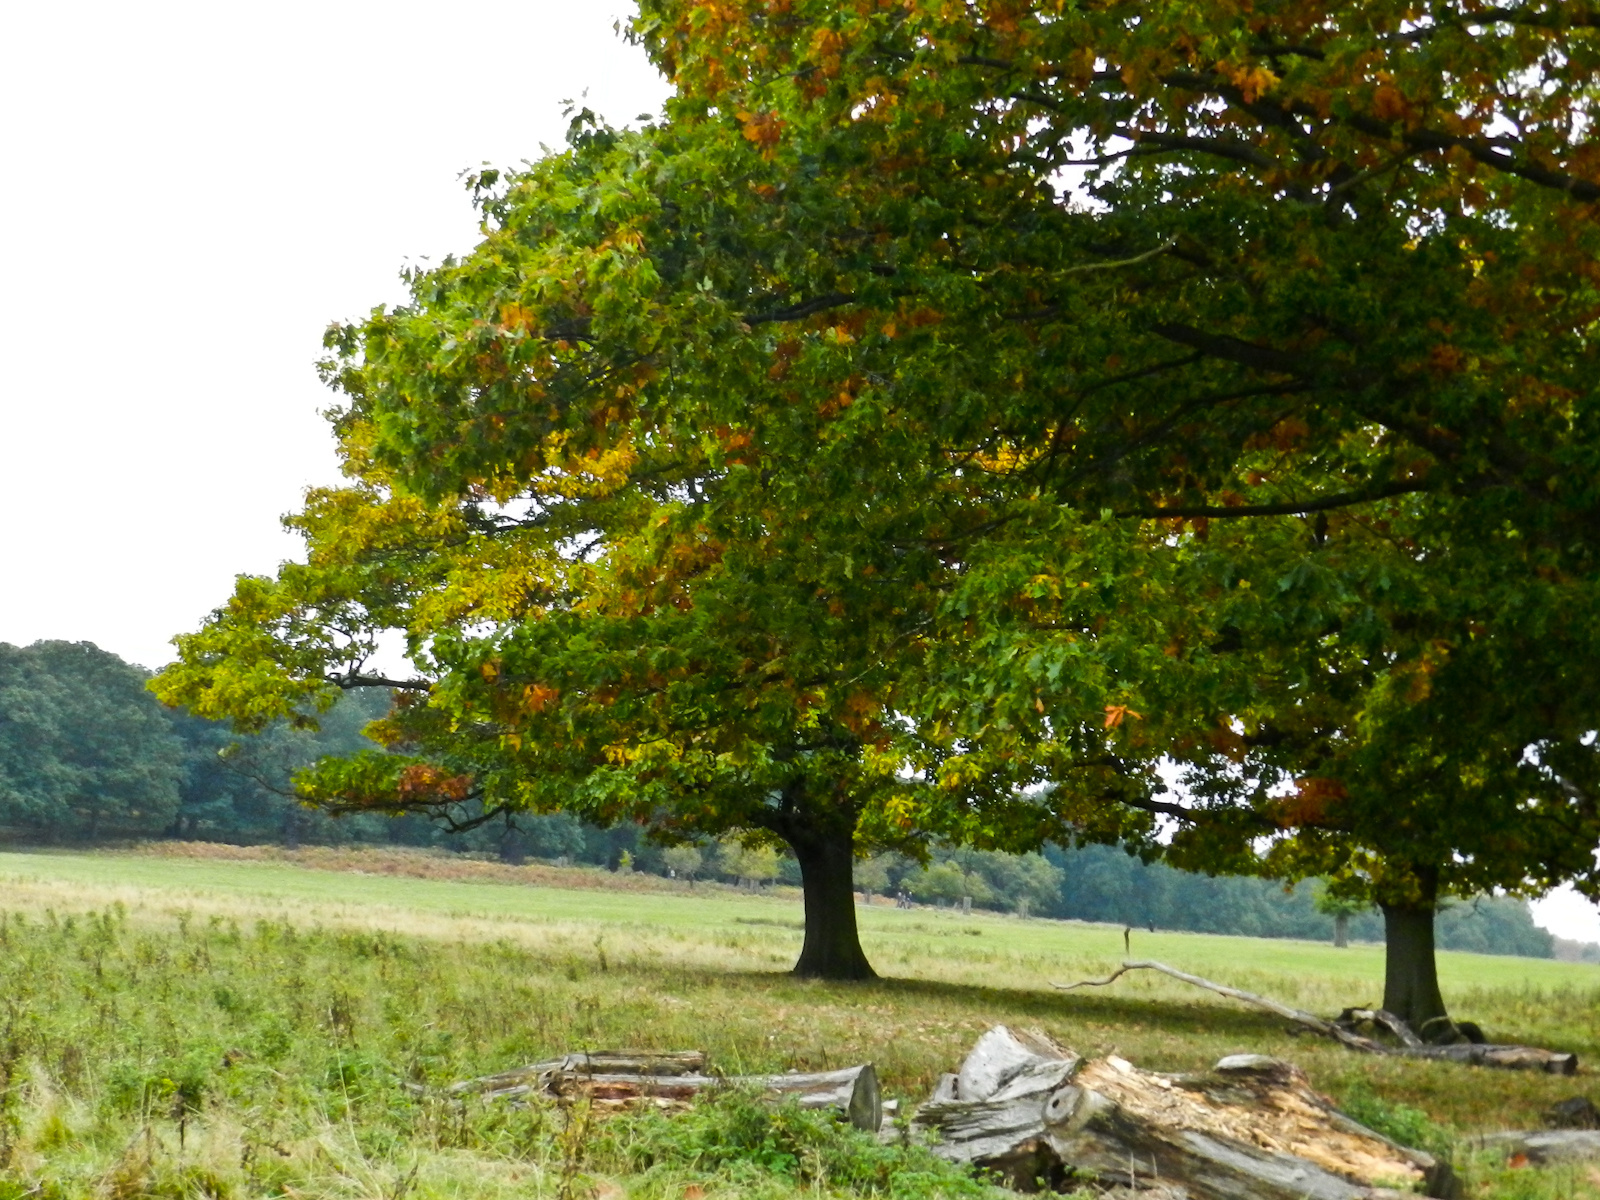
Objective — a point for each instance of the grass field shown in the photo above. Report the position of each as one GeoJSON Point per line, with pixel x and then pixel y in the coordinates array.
{"type": "Point", "coordinates": [191, 1026]}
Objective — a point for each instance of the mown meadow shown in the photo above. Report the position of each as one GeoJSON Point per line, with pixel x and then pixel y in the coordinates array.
{"type": "Point", "coordinates": [192, 1027]}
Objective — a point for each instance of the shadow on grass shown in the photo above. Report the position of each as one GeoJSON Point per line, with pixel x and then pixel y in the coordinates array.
{"type": "Point", "coordinates": [1177, 1017]}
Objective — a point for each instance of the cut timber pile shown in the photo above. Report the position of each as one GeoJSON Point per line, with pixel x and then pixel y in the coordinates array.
{"type": "Point", "coordinates": [618, 1077]}
{"type": "Point", "coordinates": [1250, 1129]}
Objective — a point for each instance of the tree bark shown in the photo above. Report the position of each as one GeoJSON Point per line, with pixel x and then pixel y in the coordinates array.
{"type": "Point", "coordinates": [826, 853]}
{"type": "Point", "coordinates": [1252, 1128]}
{"type": "Point", "coordinates": [1341, 930]}
{"type": "Point", "coordinates": [1410, 970]}
{"type": "Point", "coordinates": [620, 1076]}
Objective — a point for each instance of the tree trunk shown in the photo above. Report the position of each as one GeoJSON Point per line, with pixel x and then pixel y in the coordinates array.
{"type": "Point", "coordinates": [1341, 930]}
{"type": "Point", "coordinates": [1410, 971]}
{"type": "Point", "coordinates": [826, 854]}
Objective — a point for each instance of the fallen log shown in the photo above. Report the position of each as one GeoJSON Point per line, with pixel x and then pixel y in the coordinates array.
{"type": "Point", "coordinates": [1486, 1054]}
{"type": "Point", "coordinates": [598, 1062]}
{"type": "Point", "coordinates": [1299, 1016]}
{"type": "Point", "coordinates": [853, 1091]}
{"type": "Point", "coordinates": [617, 1077]}
{"type": "Point", "coordinates": [1545, 1145]}
{"type": "Point", "coordinates": [1510, 1058]}
{"type": "Point", "coordinates": [1039, 1117]}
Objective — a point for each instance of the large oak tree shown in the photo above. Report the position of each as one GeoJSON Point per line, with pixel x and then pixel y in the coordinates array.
{"type": "Point", "coordinates": [696, 487]}
{"type": "Point", "coordinates": [1355, 252]}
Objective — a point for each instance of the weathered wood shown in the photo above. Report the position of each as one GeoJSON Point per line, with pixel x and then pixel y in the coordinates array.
{"type": "Point", "coordinates": [992, 1110]}
{"type": "Point", "coordinates": [1467, 1050]}
{"type": "Point", "coordinates": [597, 1062]}
{"type": "Point", "coordinates": [618, 1076]}
{"type": "Point", "coordinates": [1519, 1058]}
{"type": "Point", "coordinates": [1511, 1058]}
{"type": "Point", "coordinates": [1546, 1145]}
{"type": "Point", "coordinates": [854, 1091]}
{"type": "Point", "coordinates": [1251, 1129]}
{"type": "Point", "coordinates": [1299, 1016]}
{"type": "Point", "coordinates": [1383, 1019]}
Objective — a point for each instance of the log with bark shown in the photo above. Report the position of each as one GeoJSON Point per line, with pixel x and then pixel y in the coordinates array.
{"type": "Point", "coordinates": [536, 1076]}
{"type": "Point", "coordinates": [1039, 1117]}
{"type": "Point", "coordinates": [619, 1077]}
{"type": "Point", "coordinates": [1344, 1030]}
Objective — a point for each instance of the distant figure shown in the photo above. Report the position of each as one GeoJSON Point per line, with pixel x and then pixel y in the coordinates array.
{"type": "Point", "coordinates": [1127, 943]}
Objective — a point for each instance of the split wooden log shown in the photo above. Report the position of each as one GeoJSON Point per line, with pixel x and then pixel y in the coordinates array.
{"type": "Point", "coordinates": [853, 1092]}
{"type": "Point", "coordinates": [992, 1111]}
{"type": "Point", "coordinates": [1510, 1057]}
{"type": "Point", "coordinates": [616, 1077]}
{"type": "Point", "coordinates": [599, 1062]}
{"type": "Point", "coordinates": [1251, 1129]}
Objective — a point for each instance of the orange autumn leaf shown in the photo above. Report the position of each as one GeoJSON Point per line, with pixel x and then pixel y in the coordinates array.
{"type": "Point", "coordinates": [1116, 712]}
{"type": "Point", "coordinates": [421, 782]}
{"type": "Point", "coordinates": [537, 697]}
{"type": "Point", "coordinates": [764, 129]}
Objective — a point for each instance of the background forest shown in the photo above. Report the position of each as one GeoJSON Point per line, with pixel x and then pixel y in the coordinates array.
{"type": "Point", "coordinates": [89, 756]}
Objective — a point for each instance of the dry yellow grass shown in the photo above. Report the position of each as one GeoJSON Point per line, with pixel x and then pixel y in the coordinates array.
{"type": "Point", "coordinates": [409, 863]}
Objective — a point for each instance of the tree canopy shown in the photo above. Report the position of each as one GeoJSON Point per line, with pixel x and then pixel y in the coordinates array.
{"type": "Point", "coordinates": [84, 749]}
{"type": "Point", "coordinates": [817, 464]}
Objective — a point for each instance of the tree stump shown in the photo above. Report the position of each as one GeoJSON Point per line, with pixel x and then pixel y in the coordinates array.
{"type": "Point", "coordinates": [1252, 1128]}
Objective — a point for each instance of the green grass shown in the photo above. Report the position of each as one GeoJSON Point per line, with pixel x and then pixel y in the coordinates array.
{"type": "Point", "coordinates": [183, 1027]}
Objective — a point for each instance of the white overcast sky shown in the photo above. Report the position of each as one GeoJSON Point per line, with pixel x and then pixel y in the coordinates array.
{"type": "Point", "coordinates": [190, 193]}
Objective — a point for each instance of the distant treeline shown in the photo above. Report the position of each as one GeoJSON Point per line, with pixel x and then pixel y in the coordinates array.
{"type": "Point", "coordinates": [87, 755]}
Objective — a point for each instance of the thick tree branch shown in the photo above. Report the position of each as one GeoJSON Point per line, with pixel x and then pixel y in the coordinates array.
{"type": "Point", "coordinates": [1231, 148]}
{"type": "Point", "coordinates": [804, 308]}
{"type": "Point", "coordinates": [1232, 349]}
{"type": "Point", "coordinates": [1484, 151]}
{"type": "Point", "coordinates": [1557, 16]}
{"type": "Point", "coordinates": [354, 680]}
{"type": "Point", "coordinates": [1287, 508]}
